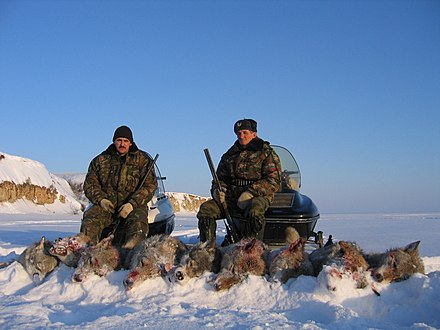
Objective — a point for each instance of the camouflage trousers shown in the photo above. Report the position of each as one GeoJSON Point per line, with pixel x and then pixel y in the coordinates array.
{"type": "Point", "coordinates": [249, 222]}
{"type": "Point", "coordinates": [98, 224]}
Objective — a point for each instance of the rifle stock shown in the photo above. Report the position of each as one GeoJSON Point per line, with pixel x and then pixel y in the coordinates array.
{"type": "Point", "coordinates": [231, 229]}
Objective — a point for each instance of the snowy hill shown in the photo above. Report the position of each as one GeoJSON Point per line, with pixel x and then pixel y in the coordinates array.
{"type": "Point", "coordinates": [76, 182]}
{"type": "Point", "coordinates": [26, 186]}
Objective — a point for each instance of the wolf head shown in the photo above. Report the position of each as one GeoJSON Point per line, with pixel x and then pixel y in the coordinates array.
{"type": "Point", "coordinates": [153, 257]}
{"type": "Point", "coordinates": [100, 260]}
{"type": "Point", "coordinates": [397, 264]}
{"type": "Point", "coordinates": [37, 261]}
{"type": "Point", "coordinates": [68, 250]}
{"type": "Point", "coordinates": [341, 254]}
{"type": "Point", "coordinates": [200, 258]}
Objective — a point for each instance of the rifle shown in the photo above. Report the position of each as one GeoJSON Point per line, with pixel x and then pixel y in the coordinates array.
{"type": "Point", "coordinates": [231, 228]}
{"type": "Point", "coordinates": [118, 219]}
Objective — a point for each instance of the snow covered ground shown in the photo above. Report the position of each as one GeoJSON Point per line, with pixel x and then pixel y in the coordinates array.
{"type": "Point", "coordinates": [302, 303]}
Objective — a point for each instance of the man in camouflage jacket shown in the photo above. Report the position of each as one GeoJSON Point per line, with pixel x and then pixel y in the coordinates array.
{"type": "Point", "coordinates": [111, 185]}
{"type": "Point", "coordinates": [249, 174]}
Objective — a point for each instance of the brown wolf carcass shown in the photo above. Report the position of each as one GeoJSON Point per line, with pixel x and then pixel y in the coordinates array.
{"type": "Point", "coordinates": [37, 261]}
{"type": "Point", "coordinates": [153, 257]}
{"type": "Point", "coordinates": [341, 259]}
{"type": "Point", "coordinates": [248, 257]}
{"type": "Point", "coordinates": [291, 261]}
{"type": "Point", "coordinates": [68, 249]}
{"type": "Point", "coordinates": [396, 264]}
{"type": "Point", "coordinates": [200, 258]}
{"type": "Point", "coordinates": [99, 259]}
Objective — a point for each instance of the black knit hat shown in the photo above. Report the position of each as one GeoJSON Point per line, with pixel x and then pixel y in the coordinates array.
{"type": "Point", "coordinates": [123, 132]}
{"type": "Point", "coordinates": [248, 124]}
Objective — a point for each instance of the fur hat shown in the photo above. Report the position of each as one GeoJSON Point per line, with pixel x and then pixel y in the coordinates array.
{"type": "Point", "coordinates": [248, 124]}
{"type": "Point", "coordinates": [123, 132]}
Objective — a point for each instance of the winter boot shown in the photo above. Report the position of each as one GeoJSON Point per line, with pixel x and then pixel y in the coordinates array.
{"type": "Point", "coordinates": [207, 229]}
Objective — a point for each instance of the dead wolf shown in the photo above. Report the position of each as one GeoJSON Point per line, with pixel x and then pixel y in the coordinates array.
{"type": "Point", "coordinates": [153, 257]}
{"type": "Point", "coordinates": [248, 257]}
{"type": "Point", "coordinates": [68, 250]}
{"type": "Point", "coordinates": [99, 259]}
{"type": "Point", "coordinates": [396, 264]}
{"type": "Point", "coordinates": [200, 258]}
{"type": "Point", "coordinates": [37, 260]}
{"type": "Point", "coordinates": [291, 261]}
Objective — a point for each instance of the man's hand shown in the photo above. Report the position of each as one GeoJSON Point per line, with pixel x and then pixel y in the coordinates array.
{"type": "Point", "coordinates": [125, 210]}
{"type": "Point", "coordinates": [244, 199]}
{"type": "Point", "coordinates": [219, 195]}
{"type": "Point", "coordinates": [107, 205]}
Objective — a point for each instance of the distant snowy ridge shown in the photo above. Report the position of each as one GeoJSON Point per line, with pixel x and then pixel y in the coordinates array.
{"type": "Point", "coordinates": [26, 186]}
{"type": "Point", "coordinates": [185, 202]}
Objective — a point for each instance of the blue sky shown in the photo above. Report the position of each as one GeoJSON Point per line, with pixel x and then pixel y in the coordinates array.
{"type": "Point", "coordinates": [351, 88]}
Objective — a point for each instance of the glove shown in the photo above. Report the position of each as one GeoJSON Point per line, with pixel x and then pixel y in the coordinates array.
{"type": "Point", "coordinates": [125, 210]}
{"type": "Point", "coordinates": [219, 195]}
{"type": "Point", "coordinates": [244, 199]}
{"type": "Point", "coordinates": [107, 205]}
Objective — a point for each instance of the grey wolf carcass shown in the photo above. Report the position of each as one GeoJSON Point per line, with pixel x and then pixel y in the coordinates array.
{"type": "Point", "coordinates": [396, 264]}
{"type": "Point", "coordinates": [247, 257]}
{"type": "Point", "coordinates": [153, 257]}
{"type": "Point", "coordinates": [99, 259]}
{"type": "Point", "coordinates": [37, 260]}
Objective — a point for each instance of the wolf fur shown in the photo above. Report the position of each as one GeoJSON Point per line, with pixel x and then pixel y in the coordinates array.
{"type": "Point", "coordinates": [37, 261]}
{"type": "Point", "coordinates": [100, 259]}
{"type": "Point", "coordinates": [291, 261]}
{"type": "Point", "coordinates": [153, 257]}
{"type": "Point", "coordinates": [248, 257]}
{"type": "Point", "coordinates": [396, 264]}
{"type": "Point", "coordinates": [200, 258]}
{"type": "Point", "coordinates": [69, 249]}
{"type": "Point", "coordinates": [341, 259]}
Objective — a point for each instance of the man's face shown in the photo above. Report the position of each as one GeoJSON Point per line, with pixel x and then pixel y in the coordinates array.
{"type": "Point", "coordinates": [122, 145]}
{"type": "Point", "coordinates": [245, 136]}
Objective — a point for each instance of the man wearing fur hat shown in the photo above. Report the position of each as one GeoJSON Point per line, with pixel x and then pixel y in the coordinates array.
{"type": "Point", "coordinates": [111, 185]}
{"type": "Point", "coordinates": [249, 174]}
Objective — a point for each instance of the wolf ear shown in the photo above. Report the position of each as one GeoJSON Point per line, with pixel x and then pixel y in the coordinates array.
{"type": "Point", "coordinates": [41, 243]}
{"type": "Point", "coordinates": [412, 248]}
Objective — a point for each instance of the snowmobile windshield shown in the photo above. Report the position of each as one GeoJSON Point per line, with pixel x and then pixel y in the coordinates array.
{"type": "Point", "coordinates": [160, 179]}
{"type": "Point", "coordinates": [290, 173]}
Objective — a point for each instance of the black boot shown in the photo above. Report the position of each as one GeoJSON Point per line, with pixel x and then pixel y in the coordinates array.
{"type": "Point", "coordinates": [207, 230]}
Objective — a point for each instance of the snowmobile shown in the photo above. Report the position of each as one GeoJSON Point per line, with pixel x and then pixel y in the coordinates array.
{"type": "Point", "coordinates": [161, 212]}
{"type": "Point", "coordinates": [290, 207]}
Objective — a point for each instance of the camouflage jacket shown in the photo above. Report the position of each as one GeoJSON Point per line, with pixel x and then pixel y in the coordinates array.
{"type": "Point", "coordinates": [255, 167]}
{"type": "Point", "coordinates": [117, 178]}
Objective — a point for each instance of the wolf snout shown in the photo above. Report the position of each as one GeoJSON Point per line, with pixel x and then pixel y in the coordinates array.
{"type": "Point", "coordinates": [180, 276]}
{"type": "Point", "coordinates": [130, 280]}
{"type": "Point", "coordinates": [77, 278]}
{"type": "Point", "coordinates": [128, 284]}
{"type": "Point", "coordinates": [377, 276]}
